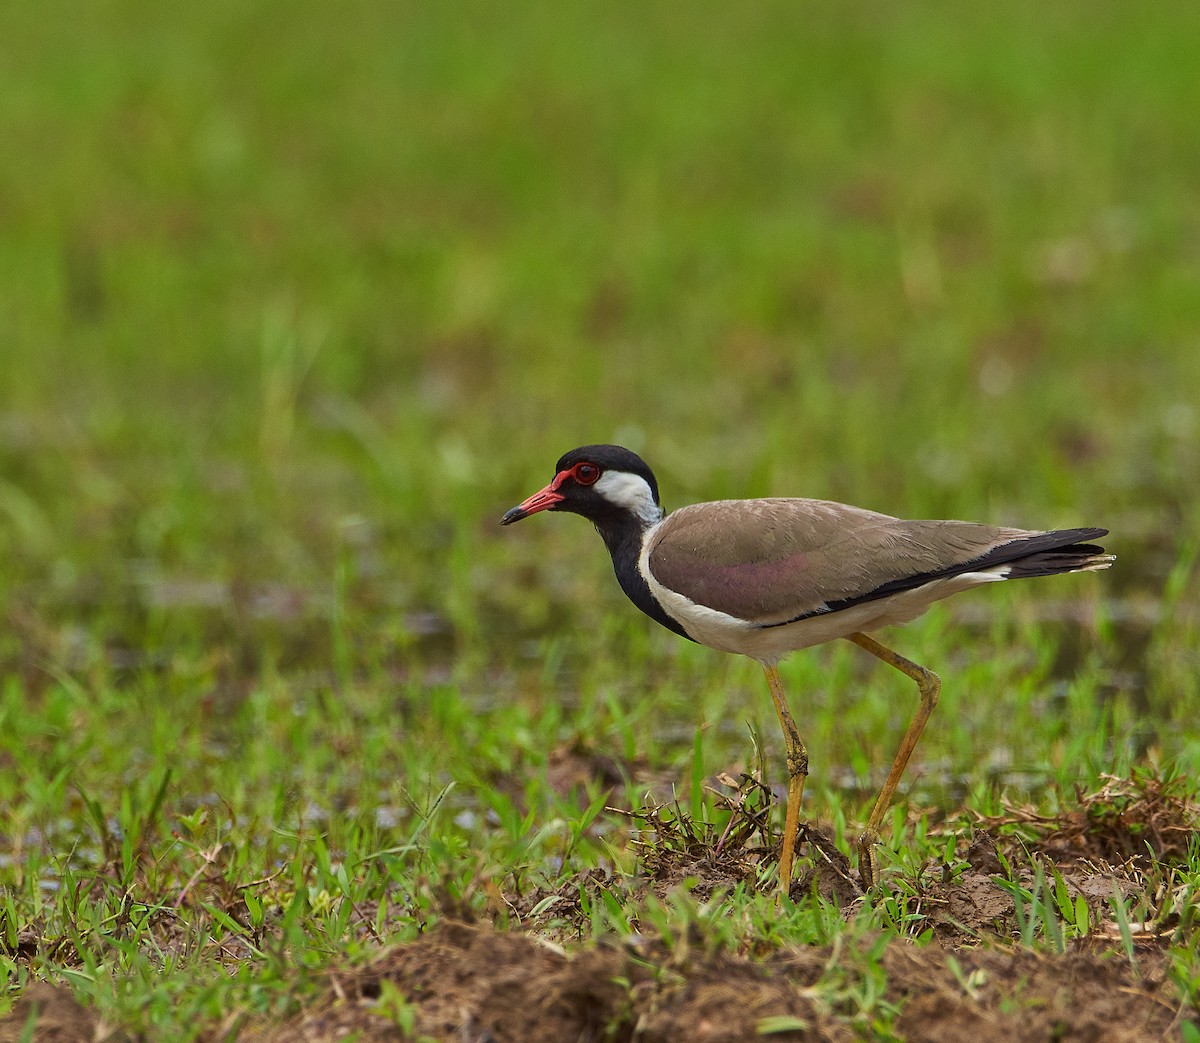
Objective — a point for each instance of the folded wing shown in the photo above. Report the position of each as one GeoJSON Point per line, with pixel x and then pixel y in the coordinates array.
{"type": "Point", "coordinates": [774, 561]}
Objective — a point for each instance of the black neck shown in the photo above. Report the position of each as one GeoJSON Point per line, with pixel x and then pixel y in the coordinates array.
{"type": "Point", "coordinates": [623, 534]}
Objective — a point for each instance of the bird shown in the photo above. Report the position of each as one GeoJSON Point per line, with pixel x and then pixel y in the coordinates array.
{"type": "Point", "coordinates": [766, 577]}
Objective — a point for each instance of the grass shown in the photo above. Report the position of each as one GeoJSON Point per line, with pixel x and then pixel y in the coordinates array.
{"type": "Point", "coordinates": [295, 304]}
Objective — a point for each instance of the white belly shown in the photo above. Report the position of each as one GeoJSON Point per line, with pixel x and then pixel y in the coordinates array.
{"type": "Point", "coordinates": [771, 643]}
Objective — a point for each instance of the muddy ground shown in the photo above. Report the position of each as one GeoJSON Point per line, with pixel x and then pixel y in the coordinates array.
{"type": "Point", "coordinates": [538, 980]}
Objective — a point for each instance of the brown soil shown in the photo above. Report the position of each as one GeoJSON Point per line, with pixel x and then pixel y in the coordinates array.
{"type": "Point", "coordinates": [478, 984]}
{"type": "Point", "coordinates": [474, 983]}
{"type": "Point", "coordinates": [54, 1014]}
{"type": "Point", "coordinates": [1020, 995]}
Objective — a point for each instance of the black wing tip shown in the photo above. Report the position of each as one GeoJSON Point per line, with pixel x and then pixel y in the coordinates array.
{"type": "Point", "coordinates": [1048, 553]}
{"type": "Point", "coordinates": [1035, 542]}
{"type": "Point", "coordinates": [1078, 557]}
{"type": "Point", "coordinates": [1058, 537]}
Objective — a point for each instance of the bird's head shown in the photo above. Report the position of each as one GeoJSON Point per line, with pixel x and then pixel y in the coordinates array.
{"type": "Point", "coordinates": [601, 482]}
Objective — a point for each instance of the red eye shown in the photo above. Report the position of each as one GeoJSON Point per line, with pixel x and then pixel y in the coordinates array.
{"type": "Point", "coordinates": [585, 474]}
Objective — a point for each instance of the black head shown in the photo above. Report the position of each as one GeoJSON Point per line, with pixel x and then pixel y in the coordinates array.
{"type": "Point", "coordinates": [600, 482]}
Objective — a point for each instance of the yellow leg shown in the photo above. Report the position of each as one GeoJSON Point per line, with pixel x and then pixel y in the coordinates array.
{"type": "Point", "coordinates": [929, 685]}
{"type": "Point", "coordinates": [797, 763]}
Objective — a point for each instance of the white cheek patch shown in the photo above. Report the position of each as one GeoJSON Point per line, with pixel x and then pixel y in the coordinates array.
{"type": "Point", "coordinates": [631, 492]}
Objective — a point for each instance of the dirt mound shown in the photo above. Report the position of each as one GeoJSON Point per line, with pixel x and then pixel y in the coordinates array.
{"type": "Point", "coordinates": [1003, 995]}
{"type": "Point", "coordinates": [462, 983]}
{"type": "Point", "coordinates": [472, 983]}
{"type": "Point", "coordinates": [1144, 818]}
{"type": "Point", "coordinates": [48, 1013]}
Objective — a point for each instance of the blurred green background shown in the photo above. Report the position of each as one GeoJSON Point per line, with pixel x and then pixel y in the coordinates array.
{"type": "Point", "coordinates": [297, 298]}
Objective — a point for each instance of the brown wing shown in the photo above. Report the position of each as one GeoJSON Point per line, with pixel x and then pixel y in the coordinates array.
{"type": "Point", "coordinates": [778, 559]}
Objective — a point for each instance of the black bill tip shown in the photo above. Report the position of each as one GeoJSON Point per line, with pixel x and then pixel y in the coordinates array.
{"type": "Point", "coordinates": [516, 514]}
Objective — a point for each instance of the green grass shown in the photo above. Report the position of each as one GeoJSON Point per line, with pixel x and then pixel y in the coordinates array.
{"type": "Point", "coordinates": [297, 300]}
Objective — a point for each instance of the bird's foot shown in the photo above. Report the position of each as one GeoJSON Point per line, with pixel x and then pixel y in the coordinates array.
{"type": "Point", "coordinates": [866, 858]}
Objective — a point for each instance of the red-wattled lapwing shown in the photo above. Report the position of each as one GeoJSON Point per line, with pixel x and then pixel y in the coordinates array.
{"type": "Point", "coordinates": [766, 577]}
